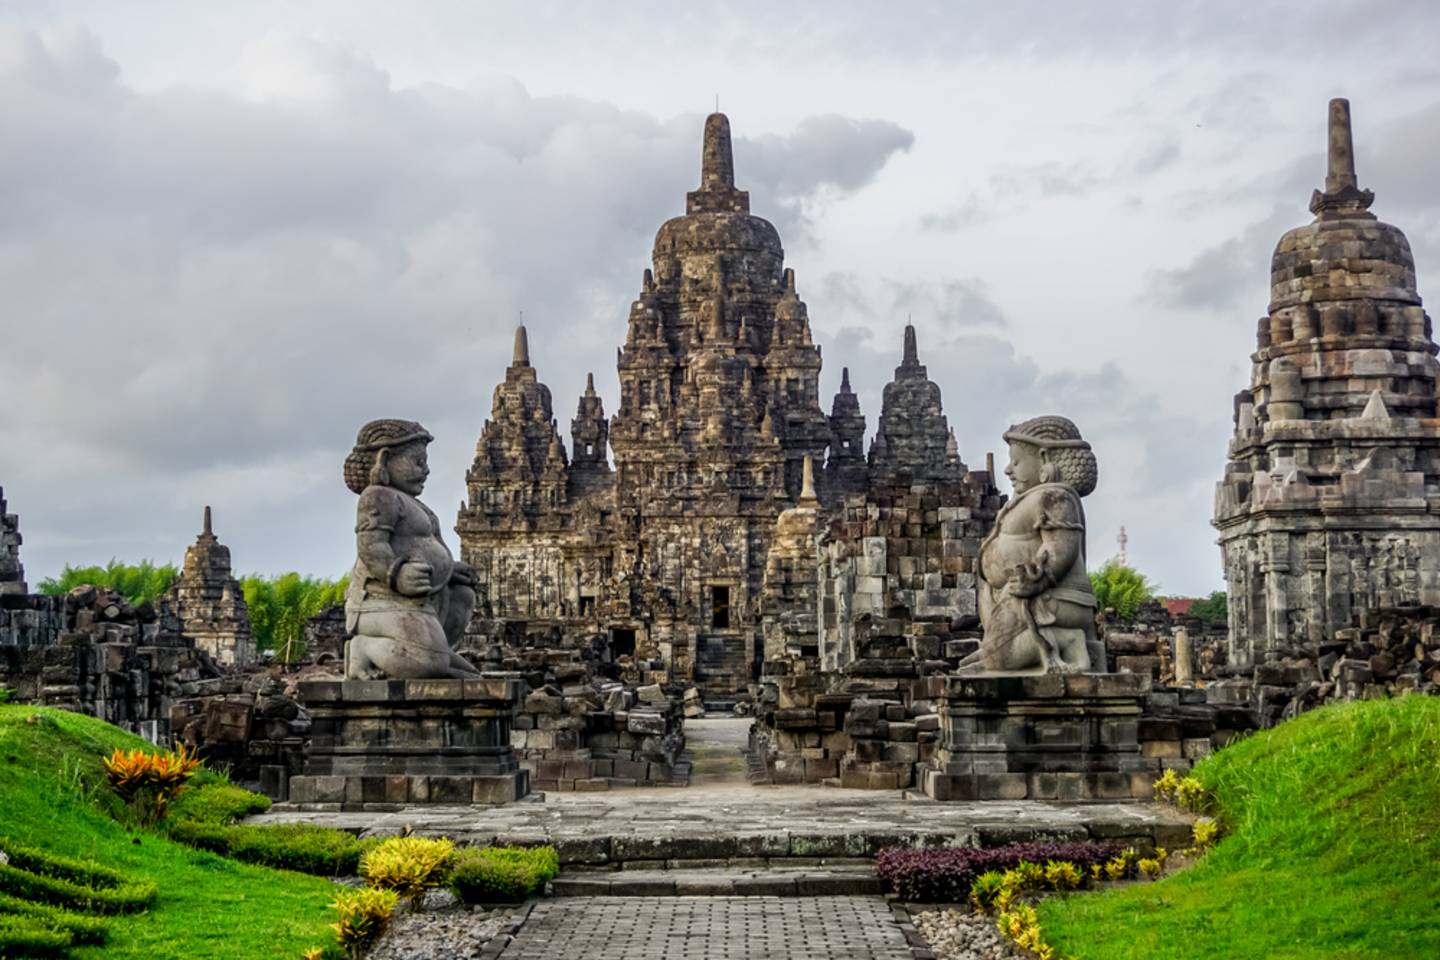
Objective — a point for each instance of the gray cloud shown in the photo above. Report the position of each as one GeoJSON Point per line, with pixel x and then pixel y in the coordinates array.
{"type": "Point", "coordinates": [1226, 276]}
{"type": "Point", "coordinates": [1394, 158]}
{"type": "Point", "coordinates": [206, 291]}
{"type": "Point", "coordinates": [971, 212]}
{"type": "Point", "coordinates": [1157, 469]}
{"type": "Point", "coordinates": [211, 292]}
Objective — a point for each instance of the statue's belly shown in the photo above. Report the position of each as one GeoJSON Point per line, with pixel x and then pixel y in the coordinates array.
{"type": "Point", "coordinates": [1004, 552]}
{"type": "Point", "coordinates": [431, 551]}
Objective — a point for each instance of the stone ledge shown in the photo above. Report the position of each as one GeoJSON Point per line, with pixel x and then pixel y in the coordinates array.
{"type": "Point", "coordinates": [1051, 686]}
{"type": "Point", "coordinates": [355, 792]}
{"type": "Point", "coordinates": [317, 692]}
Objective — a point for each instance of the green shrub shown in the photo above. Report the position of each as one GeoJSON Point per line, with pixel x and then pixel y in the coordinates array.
{"type": "Point", "coordinates": [364, 914]}
{"type": "Point", "coordinates": [1063, 875]}
{"type": "Point", "coordinates": [985, 889]}
{"type": "Point", "coordinates": [81, 928]}
{"type": "Point", "coordinates": [280, 605]}
{"type": "Point", "coordinates": [301, 847]}
{"type": "Point", "coordinates": [80, 885]}
{"type": "Point", "coordinates": [218, 803]}
{"type": "Point", "coordinates": [138, 583]}
{"type": "Point", "coordinates": [30, 937]}
{"type": "Point", "coordinates": [1120, 588]}
{"type": "Point", "coordinates": [502, 873]}
{"type": "Point", "coordinates": [407, 865]}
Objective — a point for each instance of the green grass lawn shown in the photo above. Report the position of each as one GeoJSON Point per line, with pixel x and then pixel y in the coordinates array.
{"type": "Point", "coordinates": [53, 796]}
{"type": "Point", "coordinates": [1332, 851]}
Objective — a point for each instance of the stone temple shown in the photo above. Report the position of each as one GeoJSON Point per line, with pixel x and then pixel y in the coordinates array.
{"type": "Point", "coordinates": [1330, 505]}
{"type": "Point", "coordinates": [665, 555]}
{"type": "Point", "coordinates": [209, 602]}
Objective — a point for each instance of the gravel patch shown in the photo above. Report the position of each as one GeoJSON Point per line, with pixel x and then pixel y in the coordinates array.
{"type": "Point", "coordinates": [964, 935]}
{"type": "Point", "coordinates": [439, 928]}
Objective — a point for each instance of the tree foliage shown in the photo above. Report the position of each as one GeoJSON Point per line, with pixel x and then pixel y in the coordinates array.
{"type": "Point", "coordinates": [280, 605]}
{"type": "Point", "coordinates": [142, 582]}
{"type": "Point", "coordinates": [1121, 588]}
{"type": "Point", "coordinates": [1214, 609]}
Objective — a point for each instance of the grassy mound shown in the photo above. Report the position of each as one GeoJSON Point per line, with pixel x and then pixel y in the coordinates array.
{"type": "Point", "coordinates": [56, 800]}
{"type": "Point", "coordinates": [1332, 851]}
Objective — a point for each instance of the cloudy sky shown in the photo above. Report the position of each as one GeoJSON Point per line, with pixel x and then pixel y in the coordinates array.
{"type": "Point", "coordinates": [231, 233]}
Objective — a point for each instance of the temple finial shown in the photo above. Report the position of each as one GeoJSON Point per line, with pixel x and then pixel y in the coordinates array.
{"type": "Point", "coordinates": [789, 281]}
{"type": "Point", "coordinates": [589, 384]}
{"type": "Point", "coordinates": [1342, 196]}
{"type": "Point", "coordinates": [1340, 170]}
{"type": "Point", "coordinates": [844, 379]}
{"type": "Point", "coordinates": [207, 532]}
{"type": "Point", "coordinates": [807, 480]}
{"type": "Point", "coordinates": [717, 161]}
{"type": "Point", "coordinates": [912, 352]}
{"type": "Point", "coordinates": [522, 348]}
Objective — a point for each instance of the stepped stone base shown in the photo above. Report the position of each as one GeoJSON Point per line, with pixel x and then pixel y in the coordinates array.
{"type": "Point", "coordinates": [1048, 737]}
{"type": "Point", "coordinates": [384, 743]}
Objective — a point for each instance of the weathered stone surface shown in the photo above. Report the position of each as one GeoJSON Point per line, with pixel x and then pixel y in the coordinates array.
{"type": "Point", "coordinates": [670, 557]}
{"type": "Point", "coordinates": [12, 573]}
{"type": "Point", "coordinates": [1036, 604]}
{"type": "Point", "coordinates": [409, 600]}
{"type": "Point", "coordinates": [913, 442]}
{"type": "Point", "coordinates": [91, 652]}
{"type": "Point", "coordinates": [677, 825]}
{"type": "Point", "coordinates": [1328, 508]}
{"type": "Point", "coordinates": [392, 742]}
{"type": "Point", "coordinates": [208, 600]}
{"type": "Point", "coordinates": [1047, 736]}
{"type": "Point", "coordinates": [658, 923]}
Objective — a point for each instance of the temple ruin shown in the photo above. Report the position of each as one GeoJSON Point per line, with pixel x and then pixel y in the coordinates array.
{"type": "Point", "coordinates": [208, 600]}
{"type": "Point", "coordinates": [1330, 504]}
{"type": "Point", "coordinates": [666, 555]}
{"type": "Point", "coordinates": [12, 571]}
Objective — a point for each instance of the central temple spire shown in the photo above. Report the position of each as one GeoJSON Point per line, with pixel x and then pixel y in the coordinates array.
{"type": "Point", "coordinates": [1342, 196]}
{"type": "Point", "coordinates": [1340, 172]}
{"type": "Point", "coordinates": [521, 356]}
{"type": "Point", "coordinates": [717, 193]}
{"type": "Point", "coordinates": [717, 161]}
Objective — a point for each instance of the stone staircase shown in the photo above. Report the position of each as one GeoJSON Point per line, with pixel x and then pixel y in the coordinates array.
{"type": "Point", "coordinates": [722, 671]}
{"type": "Point", "coordinates": [837, 878]}
{"type": "Point", "coordinates": [756, 770]}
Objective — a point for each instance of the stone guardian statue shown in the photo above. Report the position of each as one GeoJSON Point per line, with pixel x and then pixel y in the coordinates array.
{"type": "Point", "coordinates": [409, 599]}
{"type": "Point", "coordinates": [1036, 603]}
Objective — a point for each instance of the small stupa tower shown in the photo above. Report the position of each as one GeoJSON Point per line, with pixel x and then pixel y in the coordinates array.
{"type": "Point", "coordinates": [1330, 504]}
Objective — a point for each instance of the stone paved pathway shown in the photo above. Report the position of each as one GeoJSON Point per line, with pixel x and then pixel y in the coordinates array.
{"type": "Point", "coordinates": [711, 928]}
{"type": "Point", "coordinates": [717, 749]}
{"type": "Point", "coordinates": [755, 822]}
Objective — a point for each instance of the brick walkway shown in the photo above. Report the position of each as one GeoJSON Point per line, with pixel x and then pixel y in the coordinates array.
{"type": "Point", "coordinates": [712, 928]}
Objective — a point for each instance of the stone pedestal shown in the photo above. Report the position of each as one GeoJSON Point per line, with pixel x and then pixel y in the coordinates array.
{"type": "Point", "coordinates": [1051, 737]}
{"type": "Point", "coordinates": [383, 743]}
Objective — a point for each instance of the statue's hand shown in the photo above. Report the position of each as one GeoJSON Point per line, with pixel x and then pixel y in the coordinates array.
{"type": "Point", "coordinates": [462, 574]}
{"type": "Point", "coordinates": [414, 578]}
{"type": "Point", "coordinates": [1028, 579]}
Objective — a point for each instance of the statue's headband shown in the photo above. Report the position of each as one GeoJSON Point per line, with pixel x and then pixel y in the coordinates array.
{"type": "Point", "coordinates": [1045, 443]}
{"type": "Point", "coordinates": [395, 441]}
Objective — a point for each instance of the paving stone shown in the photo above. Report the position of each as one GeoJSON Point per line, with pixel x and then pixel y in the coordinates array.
{"type": "Point", "coordinates": [794, 824]}
{"type": "Point", "coordinates": [712, 928]}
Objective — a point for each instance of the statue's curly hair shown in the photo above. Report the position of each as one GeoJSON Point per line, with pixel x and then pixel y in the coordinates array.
{"type": "Point", "coordinates": [375, 436]}
{"type": "Point", "coordinates": [1068, 458]}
